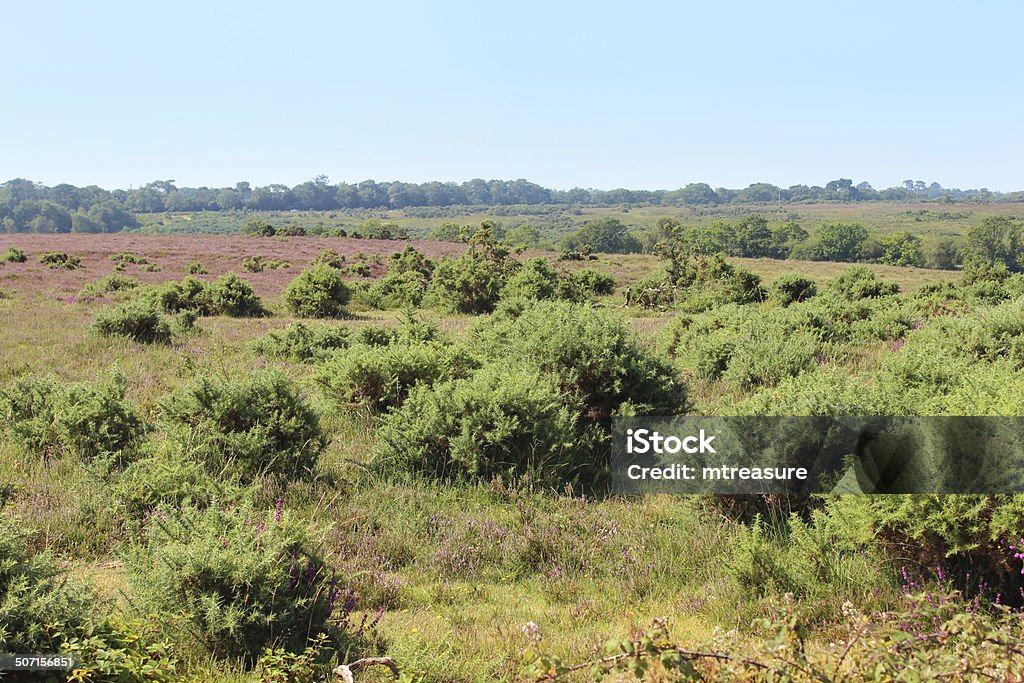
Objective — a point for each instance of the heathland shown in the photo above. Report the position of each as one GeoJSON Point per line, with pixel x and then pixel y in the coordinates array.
{"type": "Point", "coordinates": [261, 456]}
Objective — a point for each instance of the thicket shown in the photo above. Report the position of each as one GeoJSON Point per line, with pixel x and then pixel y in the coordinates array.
{"type": "Point", "coordinates": [59, 259]}
{"type": "Point", "coordinates": [13, 255]}
{"type": "Point", "coordinates": [228, 295]}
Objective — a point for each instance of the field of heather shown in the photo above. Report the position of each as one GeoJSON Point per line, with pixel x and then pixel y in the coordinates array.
{"type": "Point", "coordinates": [403, 453]}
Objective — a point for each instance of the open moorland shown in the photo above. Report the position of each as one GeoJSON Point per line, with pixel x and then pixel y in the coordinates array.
{"type": "Point", "coordinates": [230, 457]}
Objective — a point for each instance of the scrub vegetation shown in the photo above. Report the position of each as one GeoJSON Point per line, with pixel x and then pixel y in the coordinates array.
{"type": "Point", "coordinates": [400, 448]}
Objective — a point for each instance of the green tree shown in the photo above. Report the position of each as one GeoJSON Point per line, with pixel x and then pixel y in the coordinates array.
{"type": "Point", "coordinates": [902, 249]}
{"type": "Point", "coordinates": [607, 235]}
{"type": "Point", "coordinates": [996, 239]}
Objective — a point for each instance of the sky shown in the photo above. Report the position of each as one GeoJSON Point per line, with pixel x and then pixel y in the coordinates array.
{"type": "Point", "coordinates": [639, 94]}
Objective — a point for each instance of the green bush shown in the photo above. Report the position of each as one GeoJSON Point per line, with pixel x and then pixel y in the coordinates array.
{"type": "Point", "coordinates": [472, 282]}
{"type": "Point", "coordinates": [169, 477]}
{"type": "Point", "coordinates": [381, 377]}
{"type": "Point", "coordinates": [257, 264]}
{"type": "Point", "coordinates": [792, 288]}
{"type": "Point", "coordinates": [35, 597]}
{"type": "Point", "coordinates": [253, 425]}
{"type": "Point", "coordinates": [329, 257]}
{"type": "Point", "coordinates": [860, 282]}
{"type": "Point", "coordinates": [536, 279]}
{"type": "Point", "coordinates": [319, 292]}
{"type": "Point", "coordinates": [191, 294]}
{"type": "Point", "coordinates": [503, 421]}
{"type": "Point", "coordinates": [591, 354]}
{"type": "Point", "coordinates": [58, 259]}
{"type": "Point", "coordinates": [302, 342]}
{"type": "Point", "coordinates": [766, 351]}
{"type": "Point", "coordinates": [91, 420]}
{"type": "Point", "coordinates": [138, 320]}
{"type": "Point", "coordinates": [108, 284]}
{"type": "Point", "coordinates": [195, 268]}
{"type": "Point", "coordinates": [585, 284]}
{"type": "Point", "coordinates": [233, 296]}
{"type": "Point", "coordinates": [13, 255]}
{"type": "Point", "coordinates": [245, 579]}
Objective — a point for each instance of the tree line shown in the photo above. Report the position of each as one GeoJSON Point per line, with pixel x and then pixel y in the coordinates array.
{"type": "Point", "coordinates": [27, 206]}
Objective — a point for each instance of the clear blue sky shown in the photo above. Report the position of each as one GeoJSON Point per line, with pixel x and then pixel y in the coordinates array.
{"type": "Point", "coordinates": [593, 94]}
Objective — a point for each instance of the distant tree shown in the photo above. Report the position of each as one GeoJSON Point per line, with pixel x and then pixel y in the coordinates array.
{"type": "Point", "coordinates": [995, 240]}
{"type": "Point", "coordinates": [695, 194]}
{"type": "Point", "coordinates": [607, 235]}
{"type": "Point", "coordinates": [902, 249]}
{"type": "Point", "coordinates": [752, 237]}
{"type": "Point", "coordinates": [839, 242]}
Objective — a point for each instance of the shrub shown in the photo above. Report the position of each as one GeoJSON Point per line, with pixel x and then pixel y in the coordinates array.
{"type": "Point", "coordinates": [405, 283]}
{"type": "Point", "coordinates": [58, 259]}
{"type": "Point", "coordinates": [257, 264]}
{"type": "Point", "coordinates": [108, 284]}
{"type": "Point", "coordinates": [381, 377]}
{"type": "Point", "coordinates": [195, 268]}
{"type": "Point", "coordinates": [257, 424]}
{"type": "Point", "coordinates": [591, 354]}
{"type": "Point", "coordinates": [536, 279]}
{"type": "Point", "coordinates": [766, 351]}
{"type": "Point", "coordinates": [259, 228]}
{"type": "Point", "coordinates": [191, 294]}
{"type": "Point", "coordinates": [91, 420]}
{"type": "Point", "coordinates": [503, 421]}
{"type": "Point", "coordinates": [138, 320]}
{"type": "Point", "coordinates": [792, 288]}
{"type": "Point", "coordinates": [329, 257]}
{"type": "Point", "coordinates": [13, 255]}
{"type": "Point", "coordinates": [584, 284]}
{"type": "Point", "coordinates": [233, 296]}
{"type": "Point", "coordinates": [860, 282]}
{"type": "Point", "coordinates": [34, 594]}
{"type": "Point", "coordinates": [246, 579]}
{"type": "Point", "coordinates": [301, 342]}
{"type": "Point", "coordinates": [472, 283]}
{"type": "Point", "coordinates": [127, 257]}
{"type": "Point", "coordinates": [360, 270]}
{"type": "Point", "coordinates": [319, 292]}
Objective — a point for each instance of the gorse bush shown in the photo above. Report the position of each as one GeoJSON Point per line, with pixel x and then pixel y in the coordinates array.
{"type": "Point", "coordinates": [792, 288]}
{"type": "Point", "coordinates": [228, 295]}
{"type": "Point", "coordinates": [319, 292]}
{"type": "Point", "coordinates": [503, 421]}
{"type": "Point", "coordinates": [257, 264]}
{"type": "Point", "coordinates": [472, 282]}
{"type": "Point", "coordinates": [405, 282]}
{"type": "Point", "coordinates": [590, 353]}
{"type": "Point", "coordinates": [860, 282]}
{"type": "Point", "coordinates": [58, 259]}
{"type": "Point", "coordinates": [381, 377]}
{"type": "Point", "coordinates": [329, 257]}
{"type": "Point", "coordinates": [195, 268]}
{"type": "Point", "coordinates": [138, 320]}
{"type": "Point", "coordinates": [535, 279]}
{"type": "Point", "coordinates": [108, 284]}
{"type": "Point", "coordinates": [302, 342]}
{"type": "Point", "coordinates": [34, 595]}
{"type": "Point", "coordinates": [233, 296]}
{"type": "Point", "coordinates": [584, 284]}
{"type": "Point", "coordinates": [13, 255]}
{"type": "Point", "coordinates": [249, 426]}
{"type": "Point", "coordinates": [246, 579]}
{"type": "Point", "coordinates": [90, 420]}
